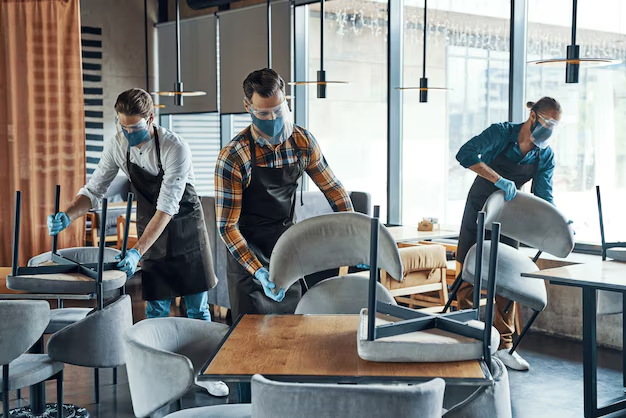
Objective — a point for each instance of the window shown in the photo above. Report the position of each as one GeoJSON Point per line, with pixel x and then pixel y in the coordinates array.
{"type": "Point", "coordinates": [467, 52]}
{"type": "Point", "coordinates": [202, 133]}
{"type": "Point", "coordinates": [351, 123]}
{"type": "Point", "coordinates": [240, 122]}
{"type": "Point", "coordinates": [590, 148]}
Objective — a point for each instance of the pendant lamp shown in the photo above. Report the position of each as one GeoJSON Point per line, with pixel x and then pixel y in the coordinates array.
{"type": "Point", "coordinates": [572, 60]}
{"type": "Point", "coordinates": [178, 91]}
{"type": "Point", "coordinates": [321, 74]}
{"type": "Point", "coordinates": [423, 88]}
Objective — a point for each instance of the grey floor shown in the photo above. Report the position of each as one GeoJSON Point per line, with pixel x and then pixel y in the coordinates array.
{"type": "Point", "coordinates": [552, 388]}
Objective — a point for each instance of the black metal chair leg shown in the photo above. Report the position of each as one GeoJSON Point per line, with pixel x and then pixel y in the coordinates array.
{"type": "Point", "coordinates": [453, 291]}
{"type": "Point", "coordinates": [115, 375]}
{"type": "Point", "coordinates": [60, 394]}
{"type": "Point", "coordinates": [179, 404]}
{"type": "Point", "coordinates": [5, 390]}
{"type": "Point", "coordinates": [96, 373]}
{"type": "Point", "coordinates": [524, 331]}
{"type": "Point", "coordinates": [19, 394]}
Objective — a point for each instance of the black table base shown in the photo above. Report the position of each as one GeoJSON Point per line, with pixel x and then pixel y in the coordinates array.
{"type": "Point", "coordinates": [50, 411]}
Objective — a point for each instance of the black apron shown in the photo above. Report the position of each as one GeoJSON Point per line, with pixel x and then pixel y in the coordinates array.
{"type": "Point", "coordinates": [179, 263]}
{"type": "Point", "coordinates": [267, 211]}
{"type": "Point", "coordinates": [482, 188]}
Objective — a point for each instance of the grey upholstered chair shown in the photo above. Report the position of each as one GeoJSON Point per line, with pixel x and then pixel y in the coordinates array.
{"type": "Point", "coordinates": [96, 340]}
{"type": "Point", "coordinates": [534, 222]}
{"type": "Point", "coordinates": [21, 326]}
{"type": "Point", "coordinates": [341, 295]}
{"type": "Point", "coordinates": [484, 401]}
{"type": "Point", "coordinates": [163, 358]}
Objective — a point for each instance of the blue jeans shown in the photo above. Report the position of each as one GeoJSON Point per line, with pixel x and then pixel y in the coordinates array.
{"type": "Point", "coordinates": [197, 307]}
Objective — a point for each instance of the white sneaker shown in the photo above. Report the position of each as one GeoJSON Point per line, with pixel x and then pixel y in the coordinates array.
{"type": "Point", "coordinates": [214, 387]}
{"type": "Point", "coordinates": [512, 361]}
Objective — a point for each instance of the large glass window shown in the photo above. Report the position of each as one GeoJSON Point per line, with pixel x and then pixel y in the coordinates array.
{"type": "Point", "coordinates": [202, 133]}
{"type": "Point", "coordinates": [351, 123]}
{"type": "Point", "coordinates": [590, 148]}
{"type": "Point", "coordinates": [467, 52]}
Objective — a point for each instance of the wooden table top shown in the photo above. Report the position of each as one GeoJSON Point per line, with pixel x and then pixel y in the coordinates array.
{"type": "Point", "coordinates": [606, 275]}
{"type": "Point", "coordinates": [319, 348]}
{"type": "Point", "coordinates": [410, 233]}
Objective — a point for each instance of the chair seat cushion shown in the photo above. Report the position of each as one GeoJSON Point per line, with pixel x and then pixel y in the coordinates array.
{"type": "Point", "coordinates": [72, 283]}
{"type": "Point", "coordinates": [422, 257]}
{"type": "Point", "coordinates": [434, 345]}
{"type": "Point", "coordinates": [60, 318]}
{"type": "Point", "coordinates": [509, 281]}
{"type": "Point", "coordinates": [221, 411]}
{"type": "Point", "coordinates": [29, 369]}
{"type": "Point", "coordinates": [618, 254]}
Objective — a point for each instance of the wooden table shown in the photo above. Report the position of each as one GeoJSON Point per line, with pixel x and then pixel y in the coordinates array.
{"type": "Point", "coordinates": [601, 275]}
{"type": "Point", "coordinates": [322, 349]}
{"type": "Point", "coordinates": [410, 233]}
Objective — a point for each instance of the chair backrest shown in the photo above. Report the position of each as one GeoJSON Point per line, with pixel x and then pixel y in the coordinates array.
{"type": "Point", "coordinates": [163, 357]}
{"type": "Point", "coordinates": [343, 295]}
{"type": "Point", "coordinates": [610, 303]}
{"type": "Point", "coordinates": [314, 203]}
{"type": "Point", "coordinates": [531, 220]}
{"type": "Point", "coordinates": [82, 255]}
{"type": "Point", "coordinates": [96, 340]}
{"type": "Point", "coordinates": [329, 241]}
{"type": "Point", "coordinates": [272, 399]}
{"type": "Point", "coordinates": [22, 322]}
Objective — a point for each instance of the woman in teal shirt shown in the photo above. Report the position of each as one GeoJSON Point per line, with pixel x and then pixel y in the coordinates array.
{"type": "Point", "coordinates": [506, 156]}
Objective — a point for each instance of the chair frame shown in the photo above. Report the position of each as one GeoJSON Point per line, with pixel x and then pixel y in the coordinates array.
{"type": "Point", "coordinates": [455, 322]}
{"type": "Point", "coordinates": [605, 245]}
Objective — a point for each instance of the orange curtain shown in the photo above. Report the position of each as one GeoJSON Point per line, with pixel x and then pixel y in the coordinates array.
{"type": "Point", "coordinates": [42, 122]}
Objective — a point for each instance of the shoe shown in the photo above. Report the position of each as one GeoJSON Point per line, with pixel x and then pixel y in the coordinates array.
{"type": "Point", "coordinates": [214, 387]}
{"type": "Point", "coordinates": [512, 361]}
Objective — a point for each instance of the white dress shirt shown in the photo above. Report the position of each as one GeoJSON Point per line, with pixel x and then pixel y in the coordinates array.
{"type": "Point", "coordinates": [175, 159]}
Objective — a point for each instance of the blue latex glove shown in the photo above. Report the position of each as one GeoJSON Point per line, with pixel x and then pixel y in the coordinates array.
{"type": "Point", "coordinates": [263, 276]}
{"type": "Point", "coordinates": [508, 187]}
{"type": "Point", "coordinates": [57, 223]}
{"type": "Point", "coordinates": [130, 261]}
{"type": "Point", "coordinates": [363, 266]}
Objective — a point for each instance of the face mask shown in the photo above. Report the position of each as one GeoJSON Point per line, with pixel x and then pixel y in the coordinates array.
{"type": "Point", "coordinates": [272, 128]}
{"type": "Point", "coordinates": [540, 133]}
{"type": "Point", "coordinates": [137, 137]}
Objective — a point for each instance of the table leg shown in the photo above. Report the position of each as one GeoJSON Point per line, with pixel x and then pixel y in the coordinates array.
{"type": "Point", "coordinates": [38, 391]}
{"type": "Point", "coordinates": [624, 338]}
{"type": "Point", "coordinates": [244, 392]}
{"type": "Point", "coordinates": [590, 365]}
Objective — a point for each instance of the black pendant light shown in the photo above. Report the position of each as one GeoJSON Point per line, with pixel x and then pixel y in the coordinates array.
{"type": "Point", "coordinates": [423, 88]}
{"type": "Point", "coordinates": [572, 60]}
{"type": "Point", "coordinates": [178, 91]}
{"type": "Point", "coordinates": [321, 74]}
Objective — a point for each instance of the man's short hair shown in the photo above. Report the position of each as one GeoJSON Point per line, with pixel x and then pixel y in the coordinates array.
{"type": "Point", "coordinates": [135, 102]}
{"type": "Point", "coordinates": [265, 83]}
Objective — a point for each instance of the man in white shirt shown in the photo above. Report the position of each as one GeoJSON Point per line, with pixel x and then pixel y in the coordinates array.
{"type": "Point", "coordinates": [173, 241]}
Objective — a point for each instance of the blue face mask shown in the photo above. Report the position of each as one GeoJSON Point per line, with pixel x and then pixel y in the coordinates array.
{"type": "Point", "coordinates": [137, 137]}
{"type": "Point", "coordinates": [270, 127]}
{"type": "Point", "coordinates": [540, 135]}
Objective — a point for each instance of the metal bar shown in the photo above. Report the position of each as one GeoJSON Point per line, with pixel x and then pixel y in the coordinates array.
{"type": "Point", "coordinates": [145, 34]}
{"type": "Point", "coordinates": [59, 378]}
{"type": "Point", "coordinates": [57, 204]}
{"type": "Point", "coordinates": [405, 327]}
{"type": "Point", "coordinates": [16, 233]}
{"type": "Point", "coordinates": [614, 407]}
{"type": "Point", "coordinates": [88, 272]}
{"type": "Point", "coordinates": [395, 69]}
{"type": "Point", "coordinates": [517, 60]}
{"type": "Point", "coordinates": [425, 34]}
{"type": "Point", "coordinates": [322, 19]}
{"type": "Point", "coordinates": [129, 210]}
{"type": "Point", "coordinates": [399, 311]}
{"type": "Point", "coordinates": [180, 404]}
{"type": "Point", "coordinates": [618, 244]}
{"type": "Point", "coordinates": [5, 390]}
{"type": "Point", "coordinates": [96, 384]}
{"type": "Point", "coordinates": [61, 269]}
{"type": "Point", "coordinates": [574, 15]}
{"type": "Point", "coordinates": [601, 223]}
{"type": "Point", "coordinates": [524, 331]}
{"type": "Point", "coordinates": [453, 291]}
{"type": "Point", "coordinates": [38, 391]}
{"type": "Point", "coordinates": [590, 365]}
{"type": "Point", "coordinates": [60, 260]}
{"type": "Point", "coordinates": [269, 33]}
{"type": "Point", "coordinates": [373, 283]}
{"type": "Point", "coordinates": [478, 268]}
{"type": "Point", "coordinates": [461, 316]}
{"type": "Point", "coordinates": [491, 292]}
{"type": "Point", "coordinates": [536, 257]}
{"type": "Point", "coordinates": [100, 269]}
{"type": "Point", "coordinates": [507, 308]}
{"type": "Point", "coordinates": [624, 339]}
{"type": "Point", "coordinates": [115, 375]}
{"type": "Point", "coordinates": [178, 80]}
{"type": "Point", "coordinates": [459, 328]}
{"type": "Point", "coordinates": [45, 296]}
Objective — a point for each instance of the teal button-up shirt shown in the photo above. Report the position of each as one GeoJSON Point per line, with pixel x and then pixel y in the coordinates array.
{"type": "Point", "coordinates": [496, 139]}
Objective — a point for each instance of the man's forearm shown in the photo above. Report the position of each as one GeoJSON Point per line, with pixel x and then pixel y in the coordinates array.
{"type": "Point", "coordinates": [486, 172]}
{"type": "Point", "coordinates": [153, 231]}
{"type": "Point", "coordinates": [79, 206]}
